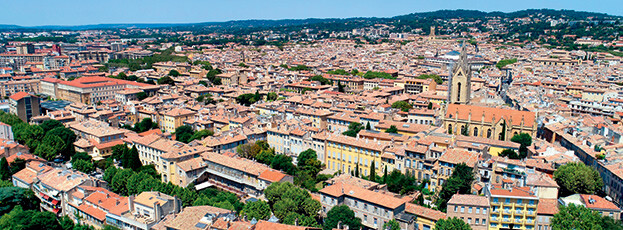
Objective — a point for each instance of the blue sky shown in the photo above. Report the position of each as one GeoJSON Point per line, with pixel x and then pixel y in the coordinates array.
{"type": "Point", "coordinates": [82, 12]}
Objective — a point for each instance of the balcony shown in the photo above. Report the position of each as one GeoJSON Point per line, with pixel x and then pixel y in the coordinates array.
{"type": "Point", "coordinates": [519, 212]}
{"type": "Point", "coordinates": [518, 221]}
{"type": "Point", "coordinates": [495, 211]}
{"type": "Point", "coordinates": [530, 213]}
{"type": "Point", "coordinates": [529, 221]}
{"type": "Point", "coordinates": [507, 221]}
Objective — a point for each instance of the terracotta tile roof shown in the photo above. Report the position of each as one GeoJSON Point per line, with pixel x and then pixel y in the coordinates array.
{"type": "Point", "coordinates": [342, 189]}
{"type": "Point", "coordinates": [598, 203]}
{"type": "Point", "coordinates": [547, 206]}
{"type": "Point", "coordinates": [515, 192]}
{"type": "Point", "coordinates": [189, 217]}
{"type": "Point", "coordinates": [424, 212]}
{"type": "Point", "coordinates": [272, 175]}
{"type": "Point", "coordinates": [18, 96]}
{"type": "Point", "coordinates": [468, 199]}
{"type": "Point", "coordinates": [477, 113]}
{"type": "Point", "coordinates": [456, 156]}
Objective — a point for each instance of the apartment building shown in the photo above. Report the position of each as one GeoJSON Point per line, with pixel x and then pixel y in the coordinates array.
{"type": "Point", "coordinates": [200, 217]}
{"type": "Point", "coordinates": [95, 137]}
{"type": "Point", "coordinates": [512, 207]}
{"type": "Point", "coordinates": [416, 86]}
{"type": "Point", "coordinates": [87, 90]}
{"type": "Point", "coordinates": [425, 218]}
{"type": "Point", "coordinates": [8, 88]}
{"type": "Point", "coordinates": [151, 147]}
{"type": "Point", "coordinates": [170, 120]}
{"type": "Point", "coordinates": [54, 187]}
{"type": "Point", "coordinates": [472, 209]}
{"type": "Point", "coordinates": [545, 211]}
{"type": "Point", "coordinates": [25, 105]}
{"type": "Point", "coordinates": [373, 208]}
{"type": "Point", "coordinates": [144, 211]}
{"type": "Point", "coordinates": [345, 154]}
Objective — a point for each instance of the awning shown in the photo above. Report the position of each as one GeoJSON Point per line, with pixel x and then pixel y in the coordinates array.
{"type": "Point", "coordinates": [54, 202]}
{"type": "Point", "coordinates": [203, 185]}
{"type": "Point", "coordinates": [56, 210]}
{"type": "Point", "coordinates": [46, 197]}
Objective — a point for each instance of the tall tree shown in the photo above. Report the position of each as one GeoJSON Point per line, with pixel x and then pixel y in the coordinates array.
{"type": "Point", "coordinates": [184, 133]}
{"type": "Point", "coordinates": [260, 210]}
{"type": "Point", "coordinates": [5, 170]}
{"type": "Point", "coordinates": [524, 140]}
{"type": "Point", "coordinates": [459, 182]}
{"type": "Point", "coordinates": [577, 178]}
{"type": "Point", "coordinates": [578, 217]}
{"type": "Point", "coordinates": [50, 124]}
{"type": "Point", "coordinates": [392, 225]}
{"type": "Point", "coordinates": [372, 171]}
{"type": "Point", "coordinates": [341, 215]}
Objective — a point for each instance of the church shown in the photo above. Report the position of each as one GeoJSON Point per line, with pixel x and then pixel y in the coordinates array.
{"type": "Point", "coordinates": [461, 118]}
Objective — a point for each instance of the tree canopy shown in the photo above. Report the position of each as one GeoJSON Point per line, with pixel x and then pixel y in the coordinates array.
{"type": "Point", "coordinates": [353, 129]}
{"type": "Point", "coordinates": [342, 215]}
{"type": "Point", "coordinates": [459, 182]}
{"type": "Point", "coordinates": [289, 202]}
{"type": "Point", "coordinates": [402, 105]}
{"type": "Point", "coordinates": [452, 224]}
{"type": "Point", "coordinates": [580, 217]}
{"type": "Point", "coordinates": [577, 178]}
{"type": "Point", "coordinates": [392, 129]}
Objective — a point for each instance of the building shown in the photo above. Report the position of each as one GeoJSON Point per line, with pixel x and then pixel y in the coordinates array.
{"type": "Point", "coordinates": [459, 90]}
{"type": "Point", "coordinates": [425, 218]}
{"type": "Point", "coordinates": [512, 207]}
{"type": "Point", "coordinates": [87, 90]}
{"type": "Point", "coordinates": [54, 187]}
{"type": "Point", "coordinates": [174, 118]}
{"type": "Point", "coordinates": [6, 131]}
{"type": "Point", "coordinates": [472, 209]}
{"type": "Point", "coordinates": [9, 88]}
{"type": "Point", "coordinates": [199, 217]}
{"type": "Point", "coordinates": [373, 208]}
{"type": "Point", "coordinates": [416, 86]}
{"type": "Point", "coordinates": [144, 211]}
{"type": "Point", "coordinates": [345, 154]}
{"type": "Point", "coordinates": [492, 123]}
{"type": "Point", "coordinates": [593, 202]}
{"type": "Point", "coordinates": [25, 105]}
{"type": "Point", "coordinates": [96, 138]}
{"type": "Point", "coordinates": [545, 211]}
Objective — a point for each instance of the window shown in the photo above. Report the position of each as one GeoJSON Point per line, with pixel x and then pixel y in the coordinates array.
{"type": "Point", "coordinates": [484, 211]}
{"type": "Point", "coordinates": [469, 210]}
{"type": "Point", "coordinates": [456, 208]}
{"type": "Point", "coordinates": [507, 201]}
{"type": "Point", "coordinates": [477, 221]}
{"type": "Point", "coordinates": [477, 210]}
{"type": "Point", "coordinates": [469, 220]}
{"type": "Point", "coordinates": [462, 209]}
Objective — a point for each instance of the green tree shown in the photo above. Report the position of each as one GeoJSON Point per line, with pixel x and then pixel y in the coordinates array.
{"type": "Point", "coordinates": [353, 129]}
{"type": "Point", "coordinates": [19, 218]}
{"type": "Point", "coordinates": [465, 130]}
{"type": "Point", "coordinates": [51, 147]}
{"type": "Point", "coordinates": [260, 210]}
{"type": "Point", "coordinates": [272, 96]}
{"type": "Point", "coordinates": [435, 78]}
{"type": "Point", "coordinates": [391, 225]}
{"type": "Point", "coordinates": [68, 138]}
{"type": "Point", "coordinates": [452, 224]}
{"type": "Point", "coordinates": [402, 105]}
{"type": "Point", "coordinates": [50, 124]}
{"type": "Point", "coordinates": [392, 129]}
{"type": "Point", "coordinates": [120, 181]}
{"type": "Point", "coordinates": [11, 197]}
{"type": "Point", "coordinates": [577, 178]}
{"type": "Point", "coordinates": [524, 140]}
{"type": "Point", "coordinates": [430, 105]}
{"type": "Point", "coordinates": [166, 80]}
{"type": "Point", "coordinates": [173, 73]}
{"type": "Point", "coordinates": [340, 87]}
{"type": "Point", "coordinates": [576, 217]}
{"type": "Point", "coordinates": [10, 119]}
{"type": "Point", "coordinates": [511, 154]}
{"type": "Point", "coordinates": [459, 182]}
{"type": "Point", "coordinates": [284, 163]}
{"type": "Point", "coordinates": [184, 133]}
{"type": "Point", "coordinates": [141, 96]}
{"type": "Point", "coordinates": [285, 199]}
{"type": "Point", "coordinates": [83, 166]}
{"type": "Point", "coordinates": [5, 170]}
{"type": "Point", "coordinates": [502, 63]}
{"type": "Point", "coordinates": [131, 159]}
{"type": "Point", "coordinates": [368, 127]}
{"type": "Point", "coordinates": [372, 171]}
{"type": "Point", "coordinates": [199, 135]}
{"type": "Point", "coordinates": [342, 215]}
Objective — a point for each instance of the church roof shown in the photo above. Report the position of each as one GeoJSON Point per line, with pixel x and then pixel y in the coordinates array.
{"type": "Point", "coordinates": [478, 113]}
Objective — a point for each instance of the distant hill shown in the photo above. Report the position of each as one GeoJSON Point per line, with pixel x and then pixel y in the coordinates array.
{"type": "Point", "coordinates": [352, 22]}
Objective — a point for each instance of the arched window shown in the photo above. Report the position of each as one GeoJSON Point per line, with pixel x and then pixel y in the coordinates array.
{"type": "Point", "coordinates": [449, 129]}
{"type": "Point", "coordinates": [475, 131]}
{"type": "Point", "coordinates": [515, 133]}
{"type": "Point", "coordinates": [489, 133]}
{"type": "Point", "coordinates": [458, 92]}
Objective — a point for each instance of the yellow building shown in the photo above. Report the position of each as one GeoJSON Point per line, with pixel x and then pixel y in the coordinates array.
{"type": "Point", "coordinates": [174, 118]}
{"type": "Point", "coordinates": [425, 218]}
{"type": "Point", "coordinates": [593, 95]}
{"type": "Point", "coordinates": [346, 153]}
{"type": "Point", "coordinates": [514, 206]}
{"type": "Point", "coordinates": [492, 123]}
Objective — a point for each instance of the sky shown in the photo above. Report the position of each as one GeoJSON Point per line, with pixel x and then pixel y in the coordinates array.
{"type": "Point", "coordinates": [86, 12]}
